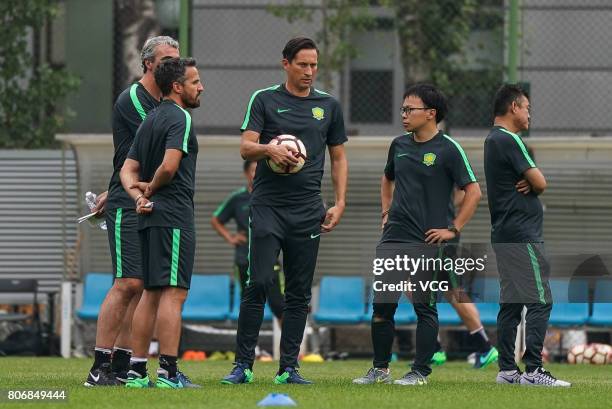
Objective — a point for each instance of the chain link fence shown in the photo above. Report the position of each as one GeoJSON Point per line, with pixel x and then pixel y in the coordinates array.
{"type": "Point", "coordinates": [461, 46]}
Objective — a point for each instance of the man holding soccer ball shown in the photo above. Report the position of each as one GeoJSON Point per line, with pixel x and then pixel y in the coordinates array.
{"type": "Point", "coordinates": [287, 212]}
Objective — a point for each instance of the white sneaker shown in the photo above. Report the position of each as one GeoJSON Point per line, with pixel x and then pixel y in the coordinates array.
{"type": "Point", "coordinates": [541, 377]}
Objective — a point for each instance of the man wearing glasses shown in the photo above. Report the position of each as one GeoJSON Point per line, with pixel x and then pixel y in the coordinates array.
{"type": "Point", "coordinates": [422, 168]}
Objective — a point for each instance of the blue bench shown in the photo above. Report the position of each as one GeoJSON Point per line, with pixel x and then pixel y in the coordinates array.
{"type": "Point", "coordinates": [564, 312]}
{"type": "Point", "coordinates": [602, 305]}
{"type": "Point", "coordinates": [208, 299]}
{"type": "Point", "coordinates": [95, 288]}
{"type": "Point", "coordinates": [341, 300]}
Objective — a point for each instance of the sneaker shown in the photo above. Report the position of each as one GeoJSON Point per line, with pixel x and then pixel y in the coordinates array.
{"type": "Point", "coordinates": [438, 358]}
{"type": "Point", "coordinates": [291, 375]}
{"type": "Point", "coordinates": [484, 360]}
{"type": "Point", "coordinates": [412, 378]}
{"type": "Point", "coordinates": [541, 377]}
{"type": "Point", "coordinates": [508, 377]}
{"type": "Point", "coordinates": [102, 376]}
{"type": "Point", "coordinates": [136, 380]}
{"type": "Point", "coordinates": [179, 381]}
{"type": "Point", "coordinates": [240, 374]}
{"type": "Point", "coordinates": [121, 376]}
{"type": "Point", "coordinates": [374, 375]}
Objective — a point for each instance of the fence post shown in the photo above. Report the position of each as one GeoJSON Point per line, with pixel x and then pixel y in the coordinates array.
{"type": "Point", "coordinates": [513, 41]}
{"type": "Point", "coordinates": [184, 28]}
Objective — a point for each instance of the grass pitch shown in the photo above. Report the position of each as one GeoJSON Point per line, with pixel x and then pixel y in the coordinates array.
{"type": "Point", "coordinates": [454, 385]}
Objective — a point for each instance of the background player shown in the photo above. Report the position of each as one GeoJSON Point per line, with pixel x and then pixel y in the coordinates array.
{"type": "Point", "coordinates": [115, 318]}
{"type": "Point", "coordinates": [286, 210]}
{"type": "Point", "coordinates": [513, 185]}
{"type": "Point", "coordinates": [163, 157]}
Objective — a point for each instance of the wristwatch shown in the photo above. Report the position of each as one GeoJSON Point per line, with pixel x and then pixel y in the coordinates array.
{"type": "Point", "coordinates": [452, 228]}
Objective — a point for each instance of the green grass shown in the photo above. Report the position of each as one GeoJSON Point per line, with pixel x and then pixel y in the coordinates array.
{"type": "Point", "coordinates": [454, 385]}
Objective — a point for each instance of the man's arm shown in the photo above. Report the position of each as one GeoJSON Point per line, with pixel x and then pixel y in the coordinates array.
{"type": "Point", "coordinates": [386, 197]}
{"type": "Point", "coordinates": [339, 172]}
{"type": "Point", "coordinates": [251, 149]}
{"type": "Point", "coordinates": [165, 172]}
{"type": "Point", "coordinates": [534, 180]}
{"type": "Point", "coordinates": [129, 180]}
{"type": "Point", "coordinates": [233, 239]}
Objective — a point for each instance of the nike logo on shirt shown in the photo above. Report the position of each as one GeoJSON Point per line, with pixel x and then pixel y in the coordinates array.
{"type": "Point", "coordinates": [280, 110]}
{"type": "Point", "coordinates": [399, 155]}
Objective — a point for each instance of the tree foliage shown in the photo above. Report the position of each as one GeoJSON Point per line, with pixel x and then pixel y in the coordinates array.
{"type": "Point", "coordinates": [29, 92]}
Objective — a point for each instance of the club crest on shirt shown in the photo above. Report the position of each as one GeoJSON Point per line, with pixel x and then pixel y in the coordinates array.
{"type": "Point", "coordinates": [318, 113]}
{"type": "Point", "coordinates": [429, 159]}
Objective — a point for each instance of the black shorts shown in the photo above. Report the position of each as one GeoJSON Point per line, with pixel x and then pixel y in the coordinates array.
{"type": "Point", "coordinates": [124, 243]}
{"type": "Point", "coordinates": [167, 257]}
{"type": "Point", "coordinates": [523, 273]}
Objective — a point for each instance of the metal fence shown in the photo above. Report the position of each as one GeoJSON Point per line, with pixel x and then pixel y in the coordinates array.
{"type": "Point", "coordinates": [463, 46]}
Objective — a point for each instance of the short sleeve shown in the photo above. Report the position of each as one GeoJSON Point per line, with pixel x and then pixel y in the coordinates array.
{"type": "Point", "coordinates": [255, 114]}
{"type": "Point", "coordinates": [517, 155]}
{"type": "Point", "coordinates": [225, 211]}
{"type": "Point", "coordinates": [458, 165]}
{"type": "Point", "coordinates": [336, 134]}
{"type": "Point", "coordinates": [179, 130]}
{"type": "Point", "coordinates": [390, 166]}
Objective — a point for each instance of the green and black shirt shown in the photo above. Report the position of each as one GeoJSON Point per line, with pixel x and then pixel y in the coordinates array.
{"type": "Point", "coordinates": [168, 127]}
{"type": "Point", "coordinates": [236, 206]}
{"type": "Point", "coordinates": [130, 109]}
{"type": "Point", "coordinates": [316, 120]}
{"type": "Point", "coordinates": [424, 174]}
{"type": "Point", "coordinates": [515, 217]}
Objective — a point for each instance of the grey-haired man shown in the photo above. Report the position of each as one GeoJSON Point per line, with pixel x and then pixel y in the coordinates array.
{"type": "Point", "coordinates": [115, 317]}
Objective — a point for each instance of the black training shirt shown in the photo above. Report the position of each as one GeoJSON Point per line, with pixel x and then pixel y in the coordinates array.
{"type": "Point", "coordinates": [424, 174]}
{"type": "Point", "coordinates": [515, 217]}
{"type": "Point", "coordinates": [236, 206]}
{"type": "Point", "coordinates": [168, 127]}
{"type": "Point", "coordinates": [130, 109]}
{"type": "Point", "coordinates": [316, 120]}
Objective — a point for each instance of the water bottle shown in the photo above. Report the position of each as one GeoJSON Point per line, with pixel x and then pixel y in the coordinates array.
{"type": "Point", "coordinates": [90, 199]}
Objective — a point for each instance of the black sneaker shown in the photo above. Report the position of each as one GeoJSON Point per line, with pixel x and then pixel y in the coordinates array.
{"type": "Point", "coordinates": [102, 376]}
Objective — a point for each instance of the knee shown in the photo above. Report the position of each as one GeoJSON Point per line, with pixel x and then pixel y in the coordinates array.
{"type": "Point", "coordinates": [127, 288]}
{"type": "Point", "coordinates": [383, 312]}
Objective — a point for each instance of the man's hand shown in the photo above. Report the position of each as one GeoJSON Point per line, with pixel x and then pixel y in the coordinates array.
{"type": "Point", "coordinates": [384, 221]}
{"type": "Point", "coordinates": [435, 236]}
{"type": "Point", "coordinates": [332, 218]}
{"type": "Point", "coordinates": [144, 187]}
{"type": "Point", "coordinates": [522, 186]}
{"type": "Point", "coordinates": [143, 206]}
{"type": "Point", "coordinates": [238, 239]}
{"type": "Point", "coordinates": [282, 155]}
{"type": "Point", "coordinates": [101, 203]}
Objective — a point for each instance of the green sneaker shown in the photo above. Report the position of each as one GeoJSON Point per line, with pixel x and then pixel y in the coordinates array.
{"type": "Point", "coordinates": [135, 380]}
{"type": "Point", "coordinates": [439, 358]}
{"type": "Point", "coordinates": [484, 360]}
{"type": "Point", "coordinates": [178, 382]}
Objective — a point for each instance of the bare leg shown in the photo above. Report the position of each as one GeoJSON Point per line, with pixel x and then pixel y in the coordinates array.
{"type": "Point", "coordinates": [144, 322]}
{"type": "Point", "coordinates": [169, 320]}
{"type": "Point", "coordinates": [114, 309]}
{"type": "Point", "coordinates": [124, 339]}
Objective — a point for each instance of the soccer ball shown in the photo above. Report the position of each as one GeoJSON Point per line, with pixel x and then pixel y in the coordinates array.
{"type": "Point", "coordinates": [596, 354]}
{"type": "Point", "coordinates": [600, 354]}
{"type": "Point", "coordinates": [576, 354]}
{"type": "Point", "coordinates": [294, 142]}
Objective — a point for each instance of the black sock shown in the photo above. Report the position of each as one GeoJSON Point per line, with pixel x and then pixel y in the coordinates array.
{"type": "Point", "coordinates": [139, 365]}
{"type": "Point", "coordinates": [101, 356]}
{"type": "Point", "coordinates": [168, 363]}
{"type": "Point", "coordinates": [382, 340]}
{"type": "Point", "coordinates": [121, 360]}
{"type": "Point", "coordinates": [480, 340]}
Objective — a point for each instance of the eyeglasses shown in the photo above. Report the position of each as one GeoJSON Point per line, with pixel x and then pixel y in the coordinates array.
{"type": "Point", "coordinates": [408, 110]}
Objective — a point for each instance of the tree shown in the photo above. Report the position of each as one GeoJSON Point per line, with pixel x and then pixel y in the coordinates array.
{"type": "Point", "coordinates": [29, 92]}
{"type": "Point", "coordinates": [338, 19]}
